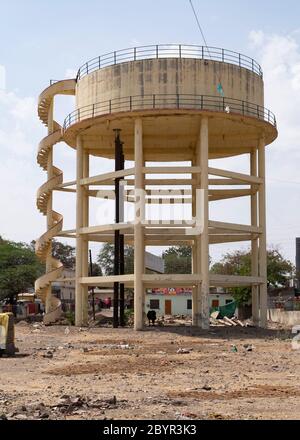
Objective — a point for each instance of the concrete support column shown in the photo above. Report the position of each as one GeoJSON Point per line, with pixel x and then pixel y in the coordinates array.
{"type": "Point", "coordinates": [195, 247]}
{"type": "Point", "coordinates": [204, 240]}
{"type": "Point", "coordinates": [263, 237]}
{"type": "Point", "coordinates": [48, 301]}
{"type": "Point", "coordinates": [195, 289]}
{"type": "Point", "coordinates": [254, 242]}
{"type": "Point", "coordinates": [85, 242]}
{"type": "Point", "coordinates": [79, 239]}
{"type": "Point", "coordinates": [139, 239]}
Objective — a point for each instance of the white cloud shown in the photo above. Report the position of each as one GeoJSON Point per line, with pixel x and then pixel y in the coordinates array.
{"type": "Point", "coordinates": [19, 175]}
{"type": "Point", "coordinates": [279, 56]}
{"type": "Point", "coordinates": [256, 38]}
{"type": "Point", "coordinates": [280, 59]}
{"type": "Point", "coordinates": [18, 123]}
{"type": "Point", "coordinates": [2, 78]}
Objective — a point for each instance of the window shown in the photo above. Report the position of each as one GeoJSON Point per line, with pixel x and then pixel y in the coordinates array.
{"type": "Point", "coordinates": [189, 305]}
{"type": "Point", "coordinates": [228, 301]}
{"type": "Point", "coordinates": [154, 304]}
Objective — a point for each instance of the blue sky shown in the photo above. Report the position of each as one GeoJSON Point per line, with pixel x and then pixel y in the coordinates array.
{"type": "Point", "coordinates": [43, 40]}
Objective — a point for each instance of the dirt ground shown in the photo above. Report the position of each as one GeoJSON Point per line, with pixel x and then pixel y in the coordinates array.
{"type": "Point", "coordinates": [163, 373]}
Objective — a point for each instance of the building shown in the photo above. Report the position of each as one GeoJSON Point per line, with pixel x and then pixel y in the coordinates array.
{"type": "Point", "coordinates": [180, 302]}
{"type": "Point", "coordinates": [156, 106]}
{"type": "Point", "coordinates": [64, 288]}
{"type": "Point", "coordinates": [298, 257]}
{"type": "Point", "coordinates": [154, 263]}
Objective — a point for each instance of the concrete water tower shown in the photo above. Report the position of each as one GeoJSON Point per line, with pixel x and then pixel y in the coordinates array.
{"type": "Point", "coordinates": [164, 104]}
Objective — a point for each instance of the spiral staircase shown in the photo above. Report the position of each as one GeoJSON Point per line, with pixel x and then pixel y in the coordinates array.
{"type": "Point", "coordinates": [44, 243]}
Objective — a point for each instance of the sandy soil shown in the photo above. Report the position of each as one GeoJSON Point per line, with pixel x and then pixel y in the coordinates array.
{"type": "Point", "coordinates": [227, 373]}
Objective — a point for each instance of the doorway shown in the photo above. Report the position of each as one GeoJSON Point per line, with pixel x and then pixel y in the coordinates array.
{"type": "Point", "coordinates": [168, 307]}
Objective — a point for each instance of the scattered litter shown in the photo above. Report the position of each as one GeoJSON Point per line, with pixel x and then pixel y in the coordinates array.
{"type": "Point", "coordinates": [183, 351]}
{"type": "Point", "coordinates": [118, 346]}
{"type": "Point", "coordinates": [68, 404]}
{"type": "Point", "coordinates": [86, 350]}
{"type": "Point", "coordinates": [48, 355]}
{"type": "Point", "coordinates": [215, 315]}
{"type": "Point", "coordinates": [190, 416]}
{"type": "Point", "coordinates": [249, 323]}
{"type": "Point", "coordinates": [207, 388]}
{"type": "Point", "coordinates": [83, 330]}
{"type": "Point", "coordinates": [22, 324]}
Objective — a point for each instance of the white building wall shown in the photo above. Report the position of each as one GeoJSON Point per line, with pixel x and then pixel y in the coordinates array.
{"type": "Point", "coordinates": [180, 303]}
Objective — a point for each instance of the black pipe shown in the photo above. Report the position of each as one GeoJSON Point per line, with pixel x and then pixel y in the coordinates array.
{"type": "Point", "coordinates": [118, 167]}
{"type": "Point", "coordinates": [122, 254]}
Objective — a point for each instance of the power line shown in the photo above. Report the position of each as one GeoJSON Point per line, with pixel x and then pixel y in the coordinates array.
{"type": "Point", "coordinates": [220, 87]}
{"type": "Point", "coordinates": [199, 26]}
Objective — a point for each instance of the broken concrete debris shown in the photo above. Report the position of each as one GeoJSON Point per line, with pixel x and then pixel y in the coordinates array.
{"type": "Point", "coordinates": [217, 320]}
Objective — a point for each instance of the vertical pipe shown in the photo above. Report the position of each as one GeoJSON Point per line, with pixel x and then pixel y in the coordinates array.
{"type": "Point", "coordinates": [122, 287]}
{"type": "Point", "coordinates": [204, 251]}
{"type": "Point", "coordinates": [118, 164]}
{"type": "Point", "coordinates": [263, 236]}
{"type": "Point", "coordinates": [254, 242]}
{"type": "Point", "coordinates": [79, 239]}
{"type": "Point", "coordinates": [85, 241]}
{"type": "Point", "coordinates": [116, 285]}
{"type": "Point", "coordinates": [122, 253]}
{"type": "Point", "coordinates": [139, 243]}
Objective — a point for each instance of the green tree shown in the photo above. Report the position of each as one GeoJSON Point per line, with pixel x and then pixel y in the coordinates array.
{"type": "Point", "coordinates": [19, 268]}
{"type": "Point", "coordinates": [178, 259]}
{"type": "Point", "coordinates": [279, 270]}
{"type": "Point", "coordinates": [106, 259]}
{"type": "Point", "coordinates": [62, 252]}
{"type": "Point", "coordinates": [65, 253]}
{"type": "Point", "coordinates": [96, 270]}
